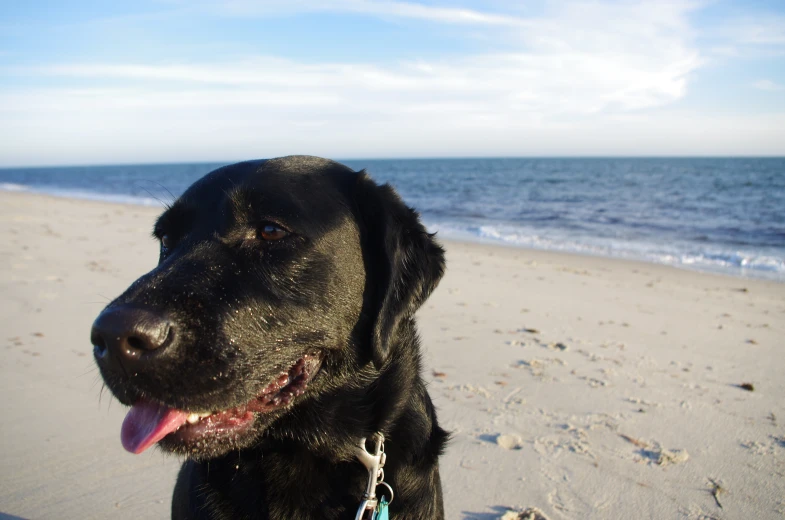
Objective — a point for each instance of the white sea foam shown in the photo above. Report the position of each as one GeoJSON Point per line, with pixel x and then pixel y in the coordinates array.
{"type": "Point", "coordinates": [737, 263]}
{"type": "Point", "coordinates": [8, 186]}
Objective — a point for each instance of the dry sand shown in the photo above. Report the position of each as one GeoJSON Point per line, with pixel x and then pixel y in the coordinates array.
{"type": "Point", "coordinates": [577, 387]}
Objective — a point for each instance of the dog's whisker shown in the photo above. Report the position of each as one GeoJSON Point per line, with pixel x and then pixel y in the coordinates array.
{"type": "Point", "coordinates": [89, 370]}
{"type": "Point", "coordinates": [163, 203]}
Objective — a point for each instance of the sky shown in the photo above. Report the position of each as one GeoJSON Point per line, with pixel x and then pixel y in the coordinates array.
{"type": "Point", "coordinates": [151, 81]}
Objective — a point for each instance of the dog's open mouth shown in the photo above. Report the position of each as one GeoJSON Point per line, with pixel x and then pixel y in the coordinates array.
{"type": "Point", "coordinates": [148, 422]}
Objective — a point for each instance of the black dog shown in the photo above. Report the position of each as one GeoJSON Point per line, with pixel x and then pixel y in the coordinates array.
{"type": "Point", "coordinates": [276, 332]}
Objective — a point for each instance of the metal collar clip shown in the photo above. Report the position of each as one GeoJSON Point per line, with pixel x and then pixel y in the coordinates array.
{"type": "Point", "coordinates": [374, 463]}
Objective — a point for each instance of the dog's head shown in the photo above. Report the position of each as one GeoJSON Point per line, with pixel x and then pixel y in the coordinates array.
{"type": "Point", "coordinates": [277, 281]}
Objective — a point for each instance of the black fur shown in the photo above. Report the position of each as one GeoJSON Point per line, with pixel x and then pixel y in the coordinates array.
{"type": "Point", "coordinates": [345, 284]}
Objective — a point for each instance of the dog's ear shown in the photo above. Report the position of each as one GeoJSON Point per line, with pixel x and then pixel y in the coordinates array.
{"type": "Point", "coordinates": [404, 261]}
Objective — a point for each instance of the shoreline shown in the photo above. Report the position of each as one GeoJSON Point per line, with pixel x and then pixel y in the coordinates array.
{"type": "Point", "coordinates": [586, 387]}
{"type": "Point", "coordinates": [158, 205]}
{"type": "Point", "coordinates": [602, 258]}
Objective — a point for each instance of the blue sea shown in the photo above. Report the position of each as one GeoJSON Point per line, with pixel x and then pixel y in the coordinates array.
{"type": "Point", "coordinates": [720, 215]}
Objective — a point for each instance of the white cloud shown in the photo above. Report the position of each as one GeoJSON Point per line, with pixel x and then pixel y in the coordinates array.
{"type": "Point", "coordinates": [749, 37]}
{"type": "Point", "coordinates": [768, 31]}
{"type": "Point", "coordinates": [575, 72]}
{"type": "Point", "coordinates": [570, 60]}
{"type": "Point", "coordinates": [766, 84]}
{"type": "Point", "coordinates": [452, 15]}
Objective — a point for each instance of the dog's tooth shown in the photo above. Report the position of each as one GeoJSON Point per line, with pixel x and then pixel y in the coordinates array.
{"type": "Point", "coordinates": [193, 418]}
{"type": "Point", "coordinates": [203, 415]}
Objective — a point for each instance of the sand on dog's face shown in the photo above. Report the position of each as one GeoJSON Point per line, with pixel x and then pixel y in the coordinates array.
{"type": "Point", "coordinates": [259, 281]}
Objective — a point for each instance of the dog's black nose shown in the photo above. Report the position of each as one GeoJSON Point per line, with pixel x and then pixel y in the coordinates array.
{"type": "Point", "coordinates": [130, 336]}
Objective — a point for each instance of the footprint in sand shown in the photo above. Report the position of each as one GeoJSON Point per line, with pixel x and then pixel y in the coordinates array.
{"type": "Point", "coordinates": [654, 453]}
{"type": "Point", "coordinates": [506, 441]}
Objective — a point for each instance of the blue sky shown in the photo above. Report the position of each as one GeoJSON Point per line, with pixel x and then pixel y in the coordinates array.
{"type": "Point", "coordinates": [179, 81]}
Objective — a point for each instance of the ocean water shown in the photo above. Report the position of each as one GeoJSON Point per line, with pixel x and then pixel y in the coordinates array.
{"type": "Point", "coordinates": [722, 215]}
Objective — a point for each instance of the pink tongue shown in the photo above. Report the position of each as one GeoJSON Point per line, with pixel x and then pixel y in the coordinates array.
{"type": "Point", "coordinates": [148, 423]}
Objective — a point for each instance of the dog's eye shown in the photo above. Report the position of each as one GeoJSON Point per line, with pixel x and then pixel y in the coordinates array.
{"type": "Point", "coordinates": [166, 243]}
{"type": "Point", "coordinates": [272, 232]}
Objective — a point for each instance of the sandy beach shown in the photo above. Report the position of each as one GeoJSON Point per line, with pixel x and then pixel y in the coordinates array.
{"type": "Point", "coordinates": [588, 388]}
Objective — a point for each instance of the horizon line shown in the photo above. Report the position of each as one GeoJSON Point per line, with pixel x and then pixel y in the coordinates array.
{"type": "Point", "coordinates": [405, 158]}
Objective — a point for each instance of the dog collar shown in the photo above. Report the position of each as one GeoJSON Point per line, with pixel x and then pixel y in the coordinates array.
{"type": "Point", "coordinates": [373, 508]}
